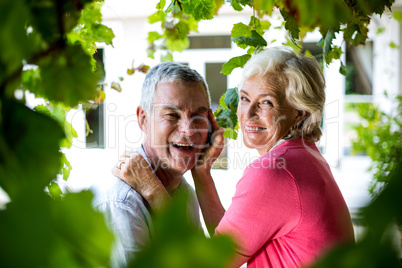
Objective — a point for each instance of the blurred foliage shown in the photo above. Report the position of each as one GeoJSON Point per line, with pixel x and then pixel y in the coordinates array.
{"type": "Point", "coordinates": [178, 243]}
{"type": "Point", "coordinates": [376, 249]}
{"type": "Point", "coordinates": [380, 137]}
{"type": "Point", "coordinates": [330, 17]}
{"type": "Point", "coordinates": [48, 47]}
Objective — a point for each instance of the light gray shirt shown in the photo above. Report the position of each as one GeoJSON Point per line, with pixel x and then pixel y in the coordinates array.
{"type": "Point", "coordinates": [128, 215]}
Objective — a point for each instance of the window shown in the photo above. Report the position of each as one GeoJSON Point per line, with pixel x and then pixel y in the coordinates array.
{"type": "Point", "coordinates": [94, 113]}
{"type": "Point", "coordinates": [358, 88]}
{"type": "Point", "coordinates": [209, 42]}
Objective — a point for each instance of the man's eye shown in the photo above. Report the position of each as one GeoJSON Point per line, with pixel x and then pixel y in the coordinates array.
{"type": "Point", "coordinates": [172, 115]}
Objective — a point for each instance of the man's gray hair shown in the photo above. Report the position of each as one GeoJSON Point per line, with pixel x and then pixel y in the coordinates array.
{"type": "Point", "coordinates": [168, 72]}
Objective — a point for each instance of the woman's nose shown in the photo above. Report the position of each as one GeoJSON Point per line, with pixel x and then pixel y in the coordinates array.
{"type": "Point", "coordinates": [251, 111]}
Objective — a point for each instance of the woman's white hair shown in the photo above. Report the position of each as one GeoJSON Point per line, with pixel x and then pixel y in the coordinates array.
{"type": "Point", "coordinates": [168, 72]}
{"type": "Point", "coordinates": [301, 81]}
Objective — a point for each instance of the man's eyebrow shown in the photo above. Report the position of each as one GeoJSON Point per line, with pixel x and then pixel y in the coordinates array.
{"type": "Point", "coordinates": [201, 109]}
{"type": "Point", "coordinates": [171, 107]}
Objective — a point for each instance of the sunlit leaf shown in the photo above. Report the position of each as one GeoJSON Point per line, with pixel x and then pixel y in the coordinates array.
{"type": "Point", "coordinates": [235, 62]}
{"type": "Point", "coordinates": [167, 57]}
{"type": "Point", "coordinates": [199, 9]}
{"type": "Point", "coordinates": [254, 40]}
{"type": "Point", "coordinates": [157, 16]}
{"type": "Point", "coordinates": [153, 36]}
{"type": "Point", "coordinates": [397, 15]}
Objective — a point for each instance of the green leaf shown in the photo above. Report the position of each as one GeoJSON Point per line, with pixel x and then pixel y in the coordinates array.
{"type": "Point", "coordinates": [67, 77]}
{"type": "Point", "coordinates": [29, 148]}
{"type": "Point", "coordinates": [226, 118]}
{"type": "Point", "coordinates": [397, 15]}
{"type": "Point", "coordinates": [236, 6]}
{"type": "Point", "coordinates": [393, 45]}
{"type": "Point", "coordinates": [54, 190]}
{"type": "Point", "coordinates": [222, 102]}
{"type": "Point", "coordinates": [241, 29]}
{"type": "Point", "coordinates": [380, 30]}
{"type": "Point", "coordinates": [167, 57]}
{"type": "Point", "coordinates": [291, 25]}
{"type": "Point", "coordinates": [329, 36]}
{"type": "Point", "coordinates": [161, 4]}
{"type": "Point", "coordinates": [178, 243]}
{"type": "Point", "coordinates": [264, 6]}
{"type": "Point", "coordinates": [177, 44]}
{"type": "Point", "coordinates": [235, 62]}
{"type": "Point", "coordinates": [356, 30]}
{"type": "Point", "coordinates": [66, 167]}
{"type": "Point", "coordinates": [13, 36]}
{"type": "Point", "coordinates": [230, 133]}
{"type": "Point", "coordinates": [199, 9]}
{"type": "Point", "coordinates": [54, 233]}
{"type": "Point", "coordinates": [255, 40]}
{"type": "Point", "coordinates": [342, 69]}
{"type": "Point", "coordinates": [231, 99]}
{"type": "Point", "coordinates": [157, 16]}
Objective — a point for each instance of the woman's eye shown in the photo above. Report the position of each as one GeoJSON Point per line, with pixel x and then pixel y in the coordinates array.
{"type": "Point", "coordinates": [267, 102]}
{"type": "Point", "coordinates": [243, 99]}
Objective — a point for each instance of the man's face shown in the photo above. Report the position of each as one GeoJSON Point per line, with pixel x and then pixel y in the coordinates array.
{"type": "Point", "coordinates": [177, 128]}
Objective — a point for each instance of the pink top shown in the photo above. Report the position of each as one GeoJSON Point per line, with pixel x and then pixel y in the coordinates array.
{"type": "Point", "coordinates": [287, 209]}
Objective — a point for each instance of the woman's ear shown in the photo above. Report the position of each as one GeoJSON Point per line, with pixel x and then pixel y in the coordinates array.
{"type": "Point", "coordinates": [142, 119]}
{"type": "Point", "coordinates": [301, 114]}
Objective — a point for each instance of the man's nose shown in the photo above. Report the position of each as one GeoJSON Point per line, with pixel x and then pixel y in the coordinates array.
{"type": "Point", "coordinates": [187, 127]}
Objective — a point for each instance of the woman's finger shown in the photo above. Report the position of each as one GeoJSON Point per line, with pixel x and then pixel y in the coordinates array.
{"type": "Point", "coordinates": [212, 120]}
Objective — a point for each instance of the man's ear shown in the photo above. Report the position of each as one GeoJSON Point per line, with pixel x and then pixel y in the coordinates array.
{"type": "Point", "coordinates": [142, 119]}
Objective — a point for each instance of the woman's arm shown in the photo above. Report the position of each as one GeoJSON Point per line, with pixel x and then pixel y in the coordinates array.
{"type": "Point", "coordinates": [137, 173]}
{"type": "Point", "coordinates": [211, 206]}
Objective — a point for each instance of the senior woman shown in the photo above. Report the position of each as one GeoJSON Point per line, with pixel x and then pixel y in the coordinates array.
{"type": "Point", "coordinates": [287, 209]}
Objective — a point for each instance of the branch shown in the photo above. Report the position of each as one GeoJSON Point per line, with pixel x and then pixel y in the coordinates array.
{"type": "Point", "coordinates": [35, 58]}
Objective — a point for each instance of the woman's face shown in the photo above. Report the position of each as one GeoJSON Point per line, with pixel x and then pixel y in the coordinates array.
{"type": "Point", "coordinates": [264, 114]}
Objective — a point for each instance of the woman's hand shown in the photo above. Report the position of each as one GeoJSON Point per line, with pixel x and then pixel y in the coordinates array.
{"type": "Point", "coordinates": [136, 172]}
{"type": "Point", "coordinates": [211, 153]}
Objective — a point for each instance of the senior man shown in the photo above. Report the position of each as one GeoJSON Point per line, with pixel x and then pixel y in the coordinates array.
{"type": "Point", "coordinates": [173, 115]}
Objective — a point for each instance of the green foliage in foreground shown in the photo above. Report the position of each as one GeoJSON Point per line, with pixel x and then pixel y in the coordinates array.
{"type": "Point", "coordinates": [380, 136]}
{"type": "Point", "coordinates": [47, 50]}
{"type": "Point", "coordinates": [180, 244]}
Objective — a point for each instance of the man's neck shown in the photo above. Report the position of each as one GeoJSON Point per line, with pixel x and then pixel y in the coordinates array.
{"type": "Point", "coordinates": [171, 180]}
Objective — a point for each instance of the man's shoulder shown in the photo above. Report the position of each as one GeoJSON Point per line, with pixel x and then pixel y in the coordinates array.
{"type": "Point", "coordinates": [114, 190]}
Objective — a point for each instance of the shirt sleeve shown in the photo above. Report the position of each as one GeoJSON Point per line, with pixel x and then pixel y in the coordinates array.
{"type": "Point", "coordinates": [130, 223]}
{"type": "Point", "coordinates": [265, 206]}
